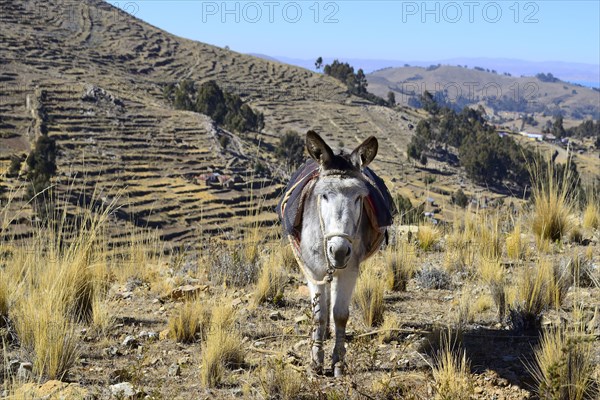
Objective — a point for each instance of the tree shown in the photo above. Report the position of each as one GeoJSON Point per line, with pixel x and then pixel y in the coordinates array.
{"type": "Point", "coordinates": [319, 63]}
{"type": "Point", "coordinates": [361, 82]}
{"type": "Point", "coordinates": [558, 129]}
{"type": "Point", "coordinates": [391, 99]}
{"type": "Point", "coordinates": [291, 149]}
{"type": "Point", "coordinates": [460, 198]}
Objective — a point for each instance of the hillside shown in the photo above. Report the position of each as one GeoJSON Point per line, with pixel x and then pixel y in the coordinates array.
{"type": "Point", "coordinates": [496, 91]}
{"type": "Point", "coordinates": [93, 76]}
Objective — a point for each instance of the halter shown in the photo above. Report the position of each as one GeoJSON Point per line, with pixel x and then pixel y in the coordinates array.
{"type": "Point", "coordinates": [326, 236]}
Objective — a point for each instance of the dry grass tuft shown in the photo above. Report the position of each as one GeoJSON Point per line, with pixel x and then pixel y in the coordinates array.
{"type": "Point", "coordinates": [564, 366]}
{"type": "Point", "coordinates": [4, 298]}
{"type": "Point", "coordinates": [460, 249]}
{"type": "Point", "coordinates": [223, 346]}
{"type": "Point", "coordinates": [428, 236]}
{"type": "Point", "coordinates": [553, 202]}
{"type": "Point", "coordinates": [516, 247]}
{"type": "Point", "coordinates": [279, 381]}
{"type": "Point", "coordinates": [271, 281]}
{"type": "Point", "coordinates": [493, 275]}
{"type": "Point", "coordinates": [190, 322]}
{"type": "Point", "coordinates": [368, 296]}
{"type": "Point", "coordinates": [45, 330]}
{"type": "Point", "coordinates": [451, 373]}
{"type": "Point", "coordinates": [591, 214]}
{"type": "Point", "coordinates": [388, 330]}
{"type": "Point", "coordinates": [490, 237]}
{"type": "Point", "coordinates": [543, 286]}
{"type": "Point", "coordinates": [401, 263]}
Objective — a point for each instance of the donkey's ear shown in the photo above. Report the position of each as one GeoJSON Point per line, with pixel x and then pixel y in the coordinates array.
{"type": "Point", "coordinates": [365, 153]}
{"type": "Point", "coordinates": [318, 149]}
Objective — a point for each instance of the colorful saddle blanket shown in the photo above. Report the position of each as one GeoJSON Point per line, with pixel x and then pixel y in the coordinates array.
{"type": "Point", "coordinates": [378, 206]}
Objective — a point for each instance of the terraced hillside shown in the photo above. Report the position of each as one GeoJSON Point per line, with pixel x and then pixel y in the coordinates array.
{"type": "Point", "coordinates": [92, 76]}
{"type": "Point", "coordinates": [477, 86]}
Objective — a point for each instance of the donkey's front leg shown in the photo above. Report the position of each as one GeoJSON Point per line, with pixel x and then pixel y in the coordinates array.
{"type": "Point", "coordinates": [341, 291]}
{"type": "Point", "coordinates": [320, 308]}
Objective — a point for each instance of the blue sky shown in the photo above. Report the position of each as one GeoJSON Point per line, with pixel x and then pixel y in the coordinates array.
{"type": "Point", "coordinates": [566, 31]}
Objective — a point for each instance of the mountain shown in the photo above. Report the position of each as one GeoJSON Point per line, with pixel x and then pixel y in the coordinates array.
{"type": "Point", "coordinates": [498, 92]}
{"type": "Point", "coordinates": [92, 76]}
{"type": "Point", "coordinates": [585, 74]}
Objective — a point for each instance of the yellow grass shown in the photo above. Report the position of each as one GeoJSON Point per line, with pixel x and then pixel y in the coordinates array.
{"type": "Point", "coordinates": [279, 381]}
{"type": "Point", "coordinates": [564, 366]}
{"type": "Point", "coordinates": [591, 215]}
{"type": "Point", "coordinates": [190, 321]}
{"type": "Point", "coordinates": [368, 296]}
{"type": "Point", "coordinates": [223, 346]}
{"type": "Point", "coordinates": [271, 280]}
{"type": "Point", "coordinates": [44, 329]}
{"type": "Point", "coordinates": [428, 236]}
{"type": "Point", "coordinates": [516, 247]}
{"type": "Point", "coordinates": [451, 374]}
{"type": "Point", "coordinates": [401, 264]}
{"type": "Point", "coordinates": [553, 203]}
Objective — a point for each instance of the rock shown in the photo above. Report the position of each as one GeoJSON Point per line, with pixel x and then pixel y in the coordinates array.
{"type": "Point", "coordinates": [52, 390]}
{"type": "Point", "coordinates": [24, 371]}
{"type": "Point", "coordinates": [164, 334]}
{"type": "Point", "coordinates": [236, 302]}
{"type": "Point", "coordinates": [143, 335]}
{"type": "Point", "coordinates": [130, 342]}
{"type": "Point", "coordinates": [301, 319]}
{"type": "Point", "coordinates": [112, 351]}
{"type": "Point", "coordinates": [13, 366]}
{"type": "Point", "coordinates": [276, 316]}
{"type": "Point", "coordinates": [186, 291]}
{"type": "Point", "coordinates": [174, 370]}
{"type": "Point", "coordinates": [125, 390]}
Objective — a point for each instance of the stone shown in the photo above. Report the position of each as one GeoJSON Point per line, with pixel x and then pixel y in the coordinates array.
{"type": "Point", "coordinates": [130, 342]}
{"type": "Point", "coordinates": [125, 390]}
{"type": "Point", "coordinates": [276, 316]}
{"type": "Point", "coordinates": [186, 291]}
{"type": "Point", "coordinates": [174, 370]}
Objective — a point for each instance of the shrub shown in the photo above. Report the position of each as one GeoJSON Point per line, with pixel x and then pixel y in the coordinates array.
{"type": "Point", "coordinates": [460, 198]}
{"type": "Point", "coordinates": [433, 278]}
{"type": "Point", "coordinates": [291, 149]}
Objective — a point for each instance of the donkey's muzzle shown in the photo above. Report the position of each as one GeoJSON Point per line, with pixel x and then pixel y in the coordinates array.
{"type": "Point", "coordinates": [339, 251]}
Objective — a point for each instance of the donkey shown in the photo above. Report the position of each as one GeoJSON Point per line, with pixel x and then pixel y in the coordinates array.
{"type": "Point", "coordinates": [335, 228]}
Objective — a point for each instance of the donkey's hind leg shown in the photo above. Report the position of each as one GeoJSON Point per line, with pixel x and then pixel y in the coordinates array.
{"type": "Point", "coordinates": [343, 286]}
{"type": "Point", "coordinates": [320, 308]}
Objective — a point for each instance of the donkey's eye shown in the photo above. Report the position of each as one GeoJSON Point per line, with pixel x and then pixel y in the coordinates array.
{"type": "Point", "coordinates": [325, 197]}
{"type": "Point", "coordinates": [357, 200]}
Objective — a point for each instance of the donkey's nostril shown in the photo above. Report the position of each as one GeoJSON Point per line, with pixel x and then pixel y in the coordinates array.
{"type": "Point", "coordinates": [348, 252]}
{"type": "Point", "coordinates": [331, 250]}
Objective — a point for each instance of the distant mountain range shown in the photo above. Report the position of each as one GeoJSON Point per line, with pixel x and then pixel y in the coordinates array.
{"type": "Point", "coordinates": [499, 92]}
{"type": "Point", "coordinates": [580, 73]}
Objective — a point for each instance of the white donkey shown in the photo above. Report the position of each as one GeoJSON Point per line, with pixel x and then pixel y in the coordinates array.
{"type": "Point", "coordinates": [335, 228]}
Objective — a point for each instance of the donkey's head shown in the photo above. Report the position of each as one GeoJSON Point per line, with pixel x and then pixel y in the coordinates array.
{"type": "Point", "coordinates": [340, 191]}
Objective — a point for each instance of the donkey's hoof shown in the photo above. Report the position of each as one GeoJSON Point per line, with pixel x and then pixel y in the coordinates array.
{"type": "Point", "coordinates": [338, 369]}
{"type": "Point", "coordinates": [316, 369]}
